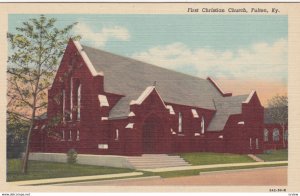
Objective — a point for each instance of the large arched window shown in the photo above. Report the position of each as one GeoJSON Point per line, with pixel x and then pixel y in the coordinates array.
{"type": "Point", "coordinates": [71, 98]}
{"type": "Point", "coordinates": [179, 122]}
{"type": "Point", "coordinates": [266, 135]}
{"type": "Point", "coordinates": [276, 135]}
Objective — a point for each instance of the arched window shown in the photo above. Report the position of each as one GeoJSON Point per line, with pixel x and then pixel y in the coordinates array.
{"type": "Point", "coordinates": [276, 135]}
{"type": "Point", "coordinates": [71, 98]}
{"type": "Point", "coordinates": [202, 125]}
{"type": "Point", "coordinates": [78, 101]}
{"type": "Point", "coordinates": [179, 122]}
{"type": "Point", "coordinates": [63, 105]}
{"type": "Point", "coordinates": [117, 134]}
{"type": "Point", "coordinates": [77, 136]}
{"type": "Point", "coordinates": [286, 135]}
{"type": "Point", "coordinates": [266, 135]}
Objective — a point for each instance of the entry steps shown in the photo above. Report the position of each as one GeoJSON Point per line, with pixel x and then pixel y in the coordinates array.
{"type": "Point", "coordinates": [147, 161]}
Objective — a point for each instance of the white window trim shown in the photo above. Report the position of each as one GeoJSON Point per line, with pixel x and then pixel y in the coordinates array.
{"type": "Point", "coordinates": [171, 110]}
{"type": "Point", "coordinates": [77, 136]}
{"type": "Point", "coordinates": [103, 100]}
{"type": "Point", "coordinates": [276, 137]}
{"type": "Point", "coordinates": [78, 101]}
{"type": "Point", "coordinates": [70, 135]}
{"type": "Point", "coordinates": [195, 113]}
{"type": "Point", "coordinates": [256, 143]}
{"type": "Point", "coordinates": [102, 146]}
{"type": "Point", "coordinates": [241, 123]}
{"type": "Point", "coordinates": [179, 122]}
{"type": "Point", "coordinates": [266, 135]}
{"type": "Point", "coordinates": [129, 126]}
{"type": "Point", "coordinates": [117, 134]}
{"type": "Point", "coordinates": [71, 97]}
{"type": "Point", "coordinates": [202, 125]}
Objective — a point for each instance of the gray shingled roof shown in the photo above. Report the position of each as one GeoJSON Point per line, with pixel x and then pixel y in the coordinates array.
{"type": "Point", "coordinates": [130, 78]}
{"type": "Point", "coordinates": [226, 106]}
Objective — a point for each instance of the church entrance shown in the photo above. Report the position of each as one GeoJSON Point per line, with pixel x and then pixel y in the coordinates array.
{"type": "Point", "coordinates": [152, 130]}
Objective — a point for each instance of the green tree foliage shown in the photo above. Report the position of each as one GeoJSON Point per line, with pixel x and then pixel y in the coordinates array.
{"type": "Point", "coordinates": [278, 111]}
{"type": "Point", "coordinates": [35, 51]}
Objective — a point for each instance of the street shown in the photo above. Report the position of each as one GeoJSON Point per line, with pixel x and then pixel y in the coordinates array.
{"type": "Point", "coordinates": [255, 177]}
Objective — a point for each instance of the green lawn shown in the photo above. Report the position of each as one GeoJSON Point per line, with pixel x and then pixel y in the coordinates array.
{"type": "Point", "coordinates": [206, 158]}
{"type": "Point", "coordinates": [195, 172]}
{"type": "Point", "coordinates": [274, 155]}
{"type": "Point", "coordinates": [42, 170]}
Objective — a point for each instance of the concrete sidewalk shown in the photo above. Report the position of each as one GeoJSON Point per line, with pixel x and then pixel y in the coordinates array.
{"type": "Point", "coordinates": [211, 166]}
{"type": "Point", "coordinates": [74, 179]}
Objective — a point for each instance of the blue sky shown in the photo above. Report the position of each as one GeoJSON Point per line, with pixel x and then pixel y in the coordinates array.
{"type": "Point", "coordinates": [233, 47]}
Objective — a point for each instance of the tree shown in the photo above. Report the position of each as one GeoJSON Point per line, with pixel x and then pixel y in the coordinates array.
{"type": "Point", "coordinates": [35, 51]}
{"type": "Point", "coordinates": [278, 111]}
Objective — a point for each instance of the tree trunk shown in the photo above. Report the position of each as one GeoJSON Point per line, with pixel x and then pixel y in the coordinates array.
{"type": "Point", "coordinates": [26, 155]}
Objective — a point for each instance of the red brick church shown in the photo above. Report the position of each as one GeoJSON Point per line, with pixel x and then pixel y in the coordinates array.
{"type": "Point", "coordinates": [102, 103]}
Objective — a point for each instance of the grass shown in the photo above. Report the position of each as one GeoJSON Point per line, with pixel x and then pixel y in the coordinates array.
{"type": "Point", "coordinates": [44, 170]}
{"type": "Point", "coordinates": [195, 172]}
{"type": "Point", "coordinates": [274, 155]}
{"type": "Point", "coordinates": [206, 158]}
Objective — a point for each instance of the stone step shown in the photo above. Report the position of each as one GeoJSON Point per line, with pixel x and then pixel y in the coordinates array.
{"type": "Point", "coordinates": [156, 161]}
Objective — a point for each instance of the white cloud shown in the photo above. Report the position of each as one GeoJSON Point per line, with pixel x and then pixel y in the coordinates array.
{"type": "Point", "coordinates": [99, 39]}
{"type": "Point", "coordinates": [259, 61]}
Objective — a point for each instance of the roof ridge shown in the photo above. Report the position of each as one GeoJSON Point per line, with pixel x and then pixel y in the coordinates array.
{"type": "Point", "coordinates": [132, 59]}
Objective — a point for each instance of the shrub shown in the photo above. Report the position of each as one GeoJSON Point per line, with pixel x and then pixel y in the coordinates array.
{"type": "Point", "coordinates": [72, 156]}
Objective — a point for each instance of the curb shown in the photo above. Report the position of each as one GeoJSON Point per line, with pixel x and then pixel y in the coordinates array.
{"type": "Point", "coordinates": [238, 170]}
{"type": "Point", "coordinates": [108, 181]}
{"type": "Point", "coordinates": [70, 179]}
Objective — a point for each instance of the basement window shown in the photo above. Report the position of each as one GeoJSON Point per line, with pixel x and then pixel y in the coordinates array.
{"type": "Point", "coordinates": [102, 146]}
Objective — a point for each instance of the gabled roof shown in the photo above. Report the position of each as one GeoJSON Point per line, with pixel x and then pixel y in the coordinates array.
{"type": "Point", "coordinates": [226, 106]}
{"type": "Point", "coordinates": [129, 77]}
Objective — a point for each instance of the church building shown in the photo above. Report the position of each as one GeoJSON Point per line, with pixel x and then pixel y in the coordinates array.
{"type": "Point", "coordinates": [103, 103]}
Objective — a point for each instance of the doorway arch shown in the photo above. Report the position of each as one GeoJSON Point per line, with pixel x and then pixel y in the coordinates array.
{"type": "Point", "coordinates": [152, 131]}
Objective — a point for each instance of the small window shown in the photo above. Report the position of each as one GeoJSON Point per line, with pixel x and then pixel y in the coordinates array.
{"type": "Point", "coordinates": [266, 135]}
{"type": "Point", "coordinates": [202, 125]}
{"type": "Point", "coordinates": [286, 135]}
{"type": "Point", "coordinates": [276, 135]}
{"type": "Point", "coordinates": [70, 136]}
{"type": "Point", "coordinates": [179, 122]}
{"type": "Point", "coordinates": [117, 134]}
{"type": "Point", "coordinates": [256, 143]}
{"type": "Point", "coordinates": [63, 135]}
{"type": "Point", "coordinates": [77, 136]}
{"type": "Point", "coordinates": [250, 143]}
